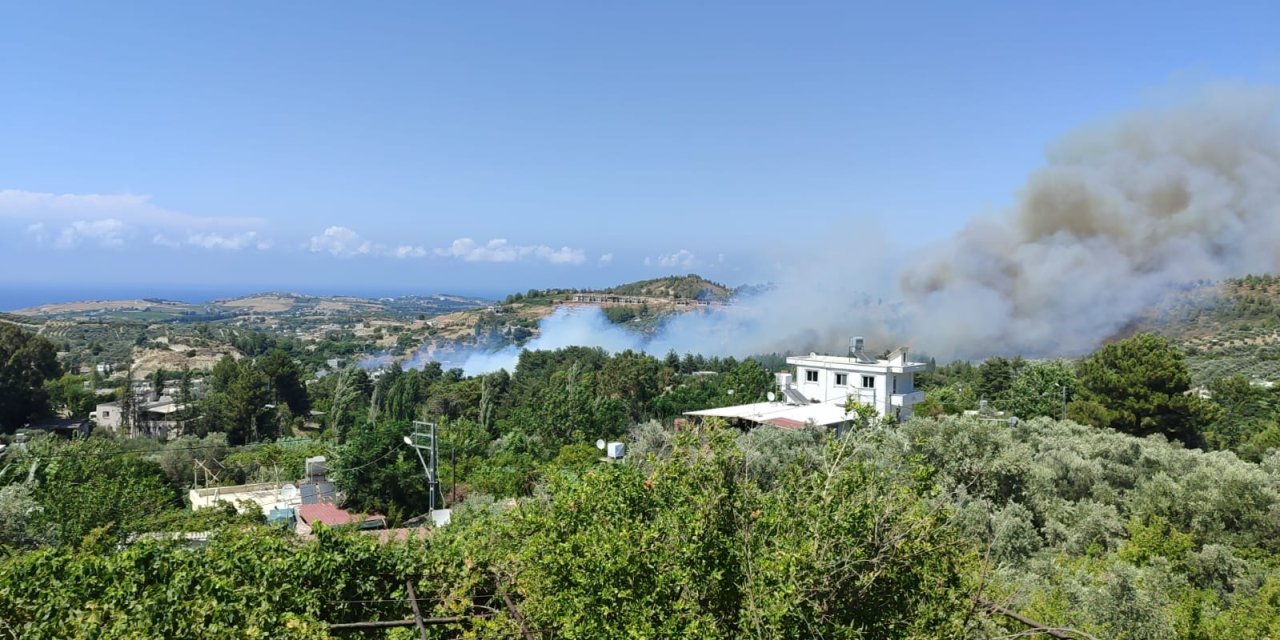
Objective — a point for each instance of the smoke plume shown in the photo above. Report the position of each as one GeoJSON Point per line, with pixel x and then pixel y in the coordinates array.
{"type": "Point", "coordinates": [1121, 213]}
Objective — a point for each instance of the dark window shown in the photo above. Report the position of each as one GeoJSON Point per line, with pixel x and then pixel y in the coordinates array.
{"type": "Point", "coordinates": [810, 375]}
{"type": "Point", "coordinates": [842, 379]}
{"type": "Point", "coordinates": [868, 382]}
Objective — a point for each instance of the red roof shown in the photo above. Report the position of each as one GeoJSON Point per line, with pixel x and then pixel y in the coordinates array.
{"type": "Point", "coordinates": [787, 423]}
{"type": "Point", "coordinates": [328, 514]}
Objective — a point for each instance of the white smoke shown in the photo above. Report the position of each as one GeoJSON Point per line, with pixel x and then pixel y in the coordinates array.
{"type": "Point", "coordinates": [1120, 214]}
{"type": "Point", "coordinates": [565, 327]}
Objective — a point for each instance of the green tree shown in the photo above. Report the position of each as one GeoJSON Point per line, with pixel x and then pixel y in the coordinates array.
{"type": "Point", "coordinates": [1245, 412]}
{"type": "Point", "coordinates": [378, 472]}
{"type": "Point", "coordinates": [1139, 386]}
{"type": "Point", "coordinates": [26, 362]}
{"type": "Point", "coordinates": [1042, 389]}
{"type": "Point", "coordinates": [92, 483]}
{"type": "Point", "coordinates": [285, 378]}
{"type": "Point", "coordinates": [632, 379]}
{"type": "Point", "coordinates": [237, 403]}
{"type": "Point", "coordinates": [69, 394]}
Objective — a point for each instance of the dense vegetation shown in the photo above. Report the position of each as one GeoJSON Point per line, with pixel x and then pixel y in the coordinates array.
{"type": "Point", "coordinates": [1227, 328]}
{"type": "Point", "coordinates": [1148, 512]}
{"type": "Point", "coordinates": [715, 533]}
{"type": "Point", "coordinates": [26, 362]}
{"type": "Point", "coordinates": [687, 287]}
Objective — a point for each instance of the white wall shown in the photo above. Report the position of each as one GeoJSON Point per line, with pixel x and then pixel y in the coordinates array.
{"type": "Point", "coordinates": [825, 388]}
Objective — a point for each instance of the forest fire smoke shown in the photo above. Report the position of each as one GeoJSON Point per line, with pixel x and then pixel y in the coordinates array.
{"type": "Point", "coordinates": [1120, 214]}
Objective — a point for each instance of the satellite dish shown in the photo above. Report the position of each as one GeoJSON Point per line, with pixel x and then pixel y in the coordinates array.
{"type": "Point", "coordinates": [600, 444]}
{"type": "Point", "coordinates": [771, 397]}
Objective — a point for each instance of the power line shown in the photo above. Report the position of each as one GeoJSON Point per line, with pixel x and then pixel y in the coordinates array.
{"type": "Point", "coordinates": [390, 451]}
{"type": "Point", "coordinates": [207, 447]}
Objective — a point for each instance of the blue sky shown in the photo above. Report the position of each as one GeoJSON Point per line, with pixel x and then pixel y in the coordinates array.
{"type": "Point", "coordinates": [490, 147]}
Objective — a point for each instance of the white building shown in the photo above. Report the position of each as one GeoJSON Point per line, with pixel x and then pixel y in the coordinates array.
{"type": "Point", "coordinates": [821, 386]}
{"type": "Point", "coordinates": [888, 384]}
{"type": "Point", "coordinates": [156, 419]}
{"type": "Point", "coordinates": [108, 415]}
{"type": "Point", "coordinates": [315, 487]}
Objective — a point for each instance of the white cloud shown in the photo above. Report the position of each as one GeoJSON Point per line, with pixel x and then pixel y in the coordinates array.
{"type": "Point", "coordinates": [467, 249]}
{"type": "Point", "coordinates": [606, 258]}
{"type": "Point", "coordinates": [499, 250]}
{"type": "Point", "coordinates": [107, 233]}
{"type": "Point", "coordinates": [407, 251]}
{"type": "Point", "coordinates": [228, 242]}
{"type": "Point", "coordinates": [127, 208]}
{"type": "Point", "coordinates": [70, 220]}
{"type": "Point", "coordinates": [38, 232]}
{"type": "Point", "coordinates": [341, 242]}
{"type": "Point", "coordinates": [683, 259]}
{"type": "Point", "coordinates": [563, 255]}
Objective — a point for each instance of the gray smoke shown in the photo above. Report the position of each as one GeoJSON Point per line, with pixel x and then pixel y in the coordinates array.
{"type": "Point", "coordinates": [1121, 213]}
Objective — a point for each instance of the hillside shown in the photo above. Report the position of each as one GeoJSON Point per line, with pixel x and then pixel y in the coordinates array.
{"type": "Point", "coordinates": [689, 287]}
{"type": "Point", "coordinates": [1227, 328]}
{"type": "Point", "coordinates": [260, 304]}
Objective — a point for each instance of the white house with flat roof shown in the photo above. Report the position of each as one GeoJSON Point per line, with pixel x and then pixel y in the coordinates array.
{"type": "Point", "coordinates": [888, 384]}
{"type": "Point", "coordinates": [818, 391]}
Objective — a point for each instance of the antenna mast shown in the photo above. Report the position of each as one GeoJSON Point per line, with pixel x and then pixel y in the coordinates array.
{"type": "Point", "coordinates": [415, 440]}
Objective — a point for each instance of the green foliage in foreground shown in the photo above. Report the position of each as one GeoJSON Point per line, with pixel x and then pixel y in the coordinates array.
{"type": "Point", "coordinates": [690, 545]}
{"type": "Point", "coordinates": [885, 533]}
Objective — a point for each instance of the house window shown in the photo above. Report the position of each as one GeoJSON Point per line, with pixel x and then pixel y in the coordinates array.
{"type": "Point", "coordinates": [810, 375]}
{"type": "Point", "coordinates": [868, 382]}
{"type": "Point", "coordinates": [106, 414]}
{"type": "Point", "coordinates": [842, 379]}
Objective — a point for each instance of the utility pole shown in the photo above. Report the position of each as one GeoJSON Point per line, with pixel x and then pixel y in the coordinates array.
{"type": "Point", "coordinates": [415, 440]}
{"type": "Point", "coordinates": [1064, 399]}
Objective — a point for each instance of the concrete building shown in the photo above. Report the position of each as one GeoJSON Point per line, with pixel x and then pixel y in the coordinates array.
{"type": "Point", "coordinates": [108, 416]}
{"type": "Point", "coordinates": [263, 496]}
{"type": "Point", "coordinates": [821, 386]}
{"type": "Point", "coordinates": [314, 488]}
{"type": "Point", "coordinates": [156, 419]}
{"type": "Point", "coordinates": [888, 384]}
